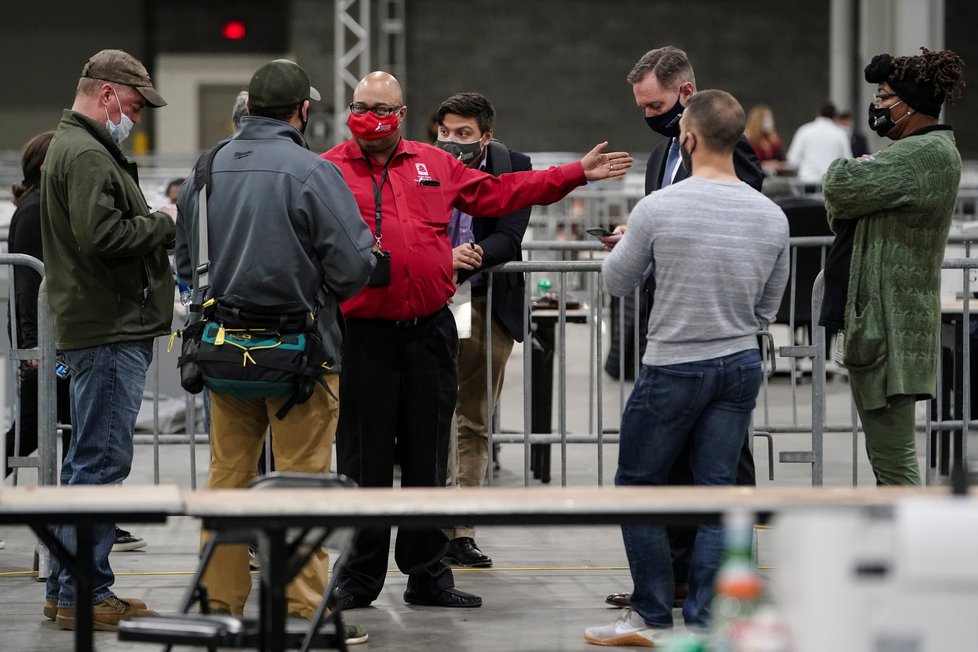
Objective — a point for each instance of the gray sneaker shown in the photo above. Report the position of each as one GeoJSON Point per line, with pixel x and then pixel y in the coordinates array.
{"type": "Point", "coordinates": [629, 630]}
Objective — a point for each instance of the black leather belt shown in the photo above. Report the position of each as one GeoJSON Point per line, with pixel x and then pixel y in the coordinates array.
{"type": "Point", "coordinates": [409, 323]}
{"type": "Point", "coordinates": [417, 321]}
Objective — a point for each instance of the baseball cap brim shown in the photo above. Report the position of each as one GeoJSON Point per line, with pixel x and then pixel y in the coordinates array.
{"type": "Point", "coordinates": [152, 98]}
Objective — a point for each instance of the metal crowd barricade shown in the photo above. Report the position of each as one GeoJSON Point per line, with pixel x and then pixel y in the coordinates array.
{"type": "Point", "coordinates": [949, 423]}
{"type": "Point", "coordinates": [597, 433]}
{"type": "Point", "coordinates": [946, 437]}
{"type": "Point", "coordinates": [46, 459]}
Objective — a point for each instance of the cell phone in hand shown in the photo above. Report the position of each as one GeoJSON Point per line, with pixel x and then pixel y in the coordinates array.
{"type": "Point", "coordinates": [599, 232]}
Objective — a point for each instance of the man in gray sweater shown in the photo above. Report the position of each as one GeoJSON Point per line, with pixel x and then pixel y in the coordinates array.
{"type": "Point", "coordinates": [719, 252]}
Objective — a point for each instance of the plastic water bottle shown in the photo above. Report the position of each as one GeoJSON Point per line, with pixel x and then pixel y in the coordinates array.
{"type": "Point", "coordinates": [185, 292]}
{"type": "Point", "coordinates": [738, 585]}
{"type": "Point", "coordinates": [744, 619]}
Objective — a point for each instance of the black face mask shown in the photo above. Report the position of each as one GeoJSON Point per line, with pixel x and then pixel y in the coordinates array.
{"type": "Point", "coordinates": [464, 152]}
{"type": "Point", "coordinates": [880, 120]}
{"type": "Point", "coordinates": [666, 123]}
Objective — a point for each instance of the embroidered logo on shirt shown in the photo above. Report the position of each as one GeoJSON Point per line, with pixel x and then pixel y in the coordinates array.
{"type": "Point", "coordinates": [422, 169]}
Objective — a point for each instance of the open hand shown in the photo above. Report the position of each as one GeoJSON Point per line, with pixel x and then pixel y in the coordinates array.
{"type": "Point", "coordinates": [599, 164]}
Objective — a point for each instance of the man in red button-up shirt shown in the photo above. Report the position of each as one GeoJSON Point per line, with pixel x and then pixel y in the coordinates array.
{"type": "Point", "coordinates": [400, 377]}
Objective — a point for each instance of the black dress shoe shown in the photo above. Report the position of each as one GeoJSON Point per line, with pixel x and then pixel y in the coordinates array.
{"type": "Point", "coordinates": [463, 552]}
{"type": "Point", "coordinates": [622, 600]}
{"type": "Point", "coordinates": [346, 600]}
{"type": "Point", "coordinates": [450, 597]}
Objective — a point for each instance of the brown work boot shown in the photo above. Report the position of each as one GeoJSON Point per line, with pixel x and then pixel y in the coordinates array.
{"type": "Point", "coordinates": [105, 614]}
{"type": "Point", "coordinates": [51, 606]}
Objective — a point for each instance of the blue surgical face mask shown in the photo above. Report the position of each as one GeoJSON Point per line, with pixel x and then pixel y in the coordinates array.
{"type": "Point", "coordinates": [119, 132]}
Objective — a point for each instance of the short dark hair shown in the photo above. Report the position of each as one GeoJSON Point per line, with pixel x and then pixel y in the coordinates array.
{"type": "Point", "coordinates": [469, 105]}
{"type": "Point", "coordinates": [668, 63]}
{"type": "Point", "coordinates": [717, 117]}
{"type": "Point", "coordinates": [827, 110]}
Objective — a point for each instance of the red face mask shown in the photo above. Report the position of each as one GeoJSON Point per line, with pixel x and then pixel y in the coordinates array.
{"type": "Point", "coordinates": [369, 127]}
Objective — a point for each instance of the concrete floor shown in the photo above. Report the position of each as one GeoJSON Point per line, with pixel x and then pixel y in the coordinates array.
{"type": "Point", "coordinates": [547, 584]}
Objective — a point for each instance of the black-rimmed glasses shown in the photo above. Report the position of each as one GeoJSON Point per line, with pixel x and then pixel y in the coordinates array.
{"type": "Point", "coordinates": [379, 110]}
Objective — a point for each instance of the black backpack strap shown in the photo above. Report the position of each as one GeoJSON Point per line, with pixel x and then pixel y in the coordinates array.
{"type": "Point", "coordinates": [499, 158]}
{"type": "Point", "coordinates": [202, 181]}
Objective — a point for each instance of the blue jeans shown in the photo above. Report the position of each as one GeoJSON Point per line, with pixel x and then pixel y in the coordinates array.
{"type": "Point", "coordinates": [708, 403]}
{"type": "Point", "coordinates": [106, 390]}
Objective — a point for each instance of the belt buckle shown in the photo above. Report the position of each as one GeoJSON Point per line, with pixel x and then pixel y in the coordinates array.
{"type": "Point", "coordinates": [407, 323]}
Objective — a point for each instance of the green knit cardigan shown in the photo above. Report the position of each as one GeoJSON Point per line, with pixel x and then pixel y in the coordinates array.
{"type": "Point", "coordinates": [904, 201]}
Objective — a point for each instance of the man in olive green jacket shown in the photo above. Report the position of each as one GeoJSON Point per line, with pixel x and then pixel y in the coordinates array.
{"type": "Point", "coordinates": [110, 288]}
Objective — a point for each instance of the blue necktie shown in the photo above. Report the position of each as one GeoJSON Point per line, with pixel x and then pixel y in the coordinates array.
{"type": "Point", "coordinates": [671, 160]}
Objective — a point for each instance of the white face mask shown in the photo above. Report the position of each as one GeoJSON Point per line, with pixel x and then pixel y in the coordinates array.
{"type": "Point", "coordinates": [767, 125]}
{"type": "Point", "coordinates": [120, 131]}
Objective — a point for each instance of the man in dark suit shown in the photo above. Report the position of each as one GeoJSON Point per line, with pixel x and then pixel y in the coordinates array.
{"type": "Point", "coordinates": [662, 81]}
{"type": "Point", "coordinates": [465, 123]}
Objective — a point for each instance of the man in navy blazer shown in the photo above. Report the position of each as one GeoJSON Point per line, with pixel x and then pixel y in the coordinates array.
{"type": "Point", "coordinates": [663, 81]}
{"type": "Point", "coordinates": [465, 126]}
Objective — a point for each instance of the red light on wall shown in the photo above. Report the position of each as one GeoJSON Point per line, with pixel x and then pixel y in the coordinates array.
{"type": "Point", "coordinates": [233, 30]}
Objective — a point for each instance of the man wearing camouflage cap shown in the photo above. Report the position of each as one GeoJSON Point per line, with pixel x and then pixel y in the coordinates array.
{"type": "Point", "coordinates": [110, 288]}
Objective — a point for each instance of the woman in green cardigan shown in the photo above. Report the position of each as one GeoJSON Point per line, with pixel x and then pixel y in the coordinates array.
{"type": "Point", "coordinates": [891, 213]}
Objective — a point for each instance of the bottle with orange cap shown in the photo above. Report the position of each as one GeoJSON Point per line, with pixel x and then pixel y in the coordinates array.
{"type": "Point", "coordinates": [744, 619]}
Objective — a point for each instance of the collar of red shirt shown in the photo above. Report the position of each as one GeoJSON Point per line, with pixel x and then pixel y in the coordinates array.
{"type": "Point", "coordinates": [351, 150]}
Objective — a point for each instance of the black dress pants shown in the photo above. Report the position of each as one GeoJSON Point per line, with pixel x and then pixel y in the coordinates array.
{"type": "Point", "coordinates": [398, 388]}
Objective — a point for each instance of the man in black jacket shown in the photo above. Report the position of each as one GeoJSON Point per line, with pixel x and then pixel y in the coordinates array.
{"type": "Point", "coordinates": [465, 124]}
{"type": "Point", "coordinates": [663, 81]}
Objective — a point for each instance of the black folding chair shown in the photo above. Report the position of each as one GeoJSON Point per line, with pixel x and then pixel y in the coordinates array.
{"type": "Point", "coordinates": [284, 552]}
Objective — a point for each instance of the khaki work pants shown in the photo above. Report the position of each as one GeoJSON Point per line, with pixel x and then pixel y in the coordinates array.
{"type": "Point", "coordinates": [468, 456]}
{"type": "Point", "coordinates": [301, 442]}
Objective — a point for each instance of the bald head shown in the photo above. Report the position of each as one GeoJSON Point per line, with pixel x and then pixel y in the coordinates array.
{"type": "Point", "coordinates": [379, 87]}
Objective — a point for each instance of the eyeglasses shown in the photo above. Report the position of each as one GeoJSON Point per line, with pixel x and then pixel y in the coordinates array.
{"type": "Point", "coordinates": [379, 110]}
{"type": "Point", "coordinates": [882, 97]}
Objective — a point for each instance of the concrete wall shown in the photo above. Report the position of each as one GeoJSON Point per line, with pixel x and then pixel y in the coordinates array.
{"type": "Point", "coordinates": [555, 70]}
{"type": "Point", "coordinates": [962, 16]}
{"type": "Point", "coordinates": [44, 45]}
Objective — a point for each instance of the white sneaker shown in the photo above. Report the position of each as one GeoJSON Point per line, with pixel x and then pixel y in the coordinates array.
{"type": "Point", "coordinates": [629, 629]}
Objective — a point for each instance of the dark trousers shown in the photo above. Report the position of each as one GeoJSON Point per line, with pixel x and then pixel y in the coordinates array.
{"type": "Point", "coordinates": [398, 389]}
{"type": "Point", "coordinates": [28, 416]}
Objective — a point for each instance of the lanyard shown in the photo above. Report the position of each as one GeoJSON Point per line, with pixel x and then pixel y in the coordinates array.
{"type": "Point", "coordinates": [378, 199]}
